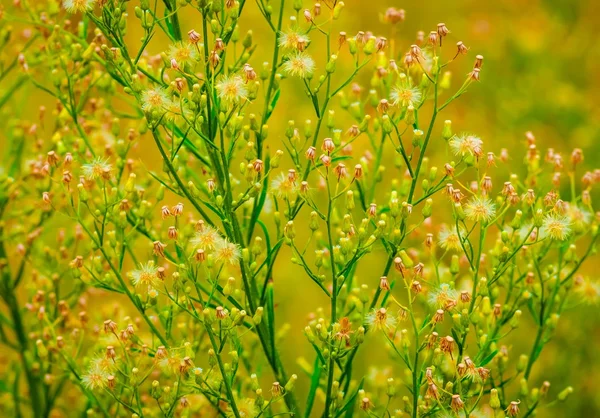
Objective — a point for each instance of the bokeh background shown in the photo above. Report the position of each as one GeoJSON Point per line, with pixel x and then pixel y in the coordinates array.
{"type": "Point", "coordinates": [542, 60]}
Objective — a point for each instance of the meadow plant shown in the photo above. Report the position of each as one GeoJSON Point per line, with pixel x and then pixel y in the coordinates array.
{"type": "Point", "coordinates": [147, 215]}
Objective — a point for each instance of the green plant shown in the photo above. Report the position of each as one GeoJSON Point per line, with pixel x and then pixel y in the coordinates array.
{"type": "Point", "coordinates": [189, 251]}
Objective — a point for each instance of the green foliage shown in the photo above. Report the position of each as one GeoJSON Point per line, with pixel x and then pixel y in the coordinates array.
{"type": "Point", "coordinates": [147, 220]}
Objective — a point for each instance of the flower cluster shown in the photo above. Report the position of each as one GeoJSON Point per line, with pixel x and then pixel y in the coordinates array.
{"type": "Point", "coordinates": [145, 225]}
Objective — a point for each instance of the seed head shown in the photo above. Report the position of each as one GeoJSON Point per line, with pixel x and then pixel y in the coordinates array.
{"type": "Point", "coordinates": [513, 409]}
{"type": "Point", "coordinates": [232, 89]}
{"type": "Point", "coordinates": [194, 37]}
{"type": "Point", "coordinates": [556, 226]}
{"type": "Point", "coordinates": [394, 16]}
{"type": "Point", "coordinates": [380, 319]}
{"type": "Point", "coordinates": [480, 209]}
{"type": "Point", "coordinates": [78, 6]}
{"type": "Point", "coordinates": [300, 65]}
{"type": "Point", "coordinates": [442, 31]}
{"type": "Point", "coordinates": [447, 344]}
{"type": "Point", "coordinates": [461, 49]}
{"type": "Point", "coordinates": [457, 404]}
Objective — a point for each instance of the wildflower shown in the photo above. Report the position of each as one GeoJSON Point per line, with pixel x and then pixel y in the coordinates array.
{"type": "Point", "coordinates": [478, 61]}
{"type": "Point", "coordinates": [432, 391]}
{"type": "Point", "coordinates": [587, 289]}
{"type": "Point", "coordinates": [282, 187]}
{"type": "Point", "coordinates": [207, 238]}
{"type": "Point", "coordinates": [221, 313]}
{"type": "Point", "coordinates": [483, 373]}
{"type": "Point", "coordinates": [580, 218]}
{"type": "Point", "coordinates": [379, 319]}
{"type": "Point", "coordinates": [159, 248]}
{"type": "Point", "coordinates": [457, 404]}
{"type": "Point", "coordinates": [442, 31]}
{"type": "Point", "coordinates": [182, 53]}
{"type": "Point", "coordinates": [384, 284]}
{"type": "Point", "coordinates": [193, 36]}
{"type": "Point", "coordinates": [110, 326]}
{"type": "Point", "coordinates": [110, 352]}
{"type": "Point", "coordinates": [177, 112]}
{"type": "Point", "coordinates": [508, 189]}
{"type": "Point", "coordinates": [247, 408]}
{"type": "Point", "coordinates": [358, 171]}
{"type": "Point", "coordinates": [68, 160]}
{"type": "Point", "coordinates": [165, 212]}
{"type": "Point", "coordinates": [457, 195]}
{"type": "Point", "coordinates": [447, 344]}
{"type": "Point", "coordinates": [249, 72]}
{"type": "Point", "coordinates": [155, 99]}
{"type": "Point", "coordinates": [96, 169]}
{"type": "Point", "coordinates": [177, 210]}
{"type": "Point", "coordinates": [211, 185]}
{"type": "Point", "coordinates": [461, 368]}
{"type": "Point", "coordinates": [466, 145]}
{"type": "Point", "coordinates": [513, 409]}
{"type": "Point", "coordinates": [449, 239]}
{"type": "Point", "coordinates": [383, 106]}
{"type": "Point", "coordinates": [300, 65]}
{"type": "Point", "coordinates": [380, 43]}
{"type": "Point", "coordinates": [576, 156]}
{"type": "Point", "coordinates": [232, 89]}
{"type": "Point", "coordinates": [428, 240]}
{"type": "Point", "coordinates": [161, 352]}
{"type": "Point", "coordinates": [474, 75]}
{"type": "Point", "coordinates": [145, 275]}
{"type": "Point", "coordinates": [293, 40]}
{"type": "Point", "coordinates": [404, 96]}
{"type": "Point", "coordinates": [486, 184]}
{"type": "Point", "coordinates": [416, 287]}
{"type": "Point", "coordinates": [529, 197]}
{"type": "Point", "coordinates": [219, 45]}
{"type": "Point", "coordinates": [258, 166]}
{"type": "Point", "coordinates": [341, 171]}
{"type": "Point", "coordinates": [556, 226]}
{"type": "Point", "coordinates": [393, 15]}
{"type": "Point", "coordinates": [95, 378]}
{"type": "Point", "coordinates": [328, 145]}
{"type": "Point", "coordinates": [74, 6]}
{"type": "Point", "coordinates": [432, 340]}
{"type": "Point", "coordinates": [415, 52]}
{"type": "Point", "coordinates": [344, 330]}
{"type": "Point", "coordinates": [46, 198]}
{"type": "Point", "coordinates": [372, 211]}
{"type": "Point", "coordinates": [465, 296]}
{"type": "Point", "coordinates": [307, 15]}
{"type": "Point", "coordinates": [214, 58]}
{"type": "Point", "coordinates": [480, 209]}
{"type": "Point", "coordinates": [227, 252]}
{"type": "Point", "coordinates": [200, 255]}
{"type": "Point", "coordinates": [461, 49]}
{"type": "Point", "coordinates": [277, 389]}
{"type": "Point", "coordinates": [440, 297]}
{"type": "Point", "coordinates": [304, 188]}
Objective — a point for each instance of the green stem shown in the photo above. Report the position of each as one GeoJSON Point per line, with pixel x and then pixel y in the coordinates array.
{"type": "Point", "coordinates": [228, 386]}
